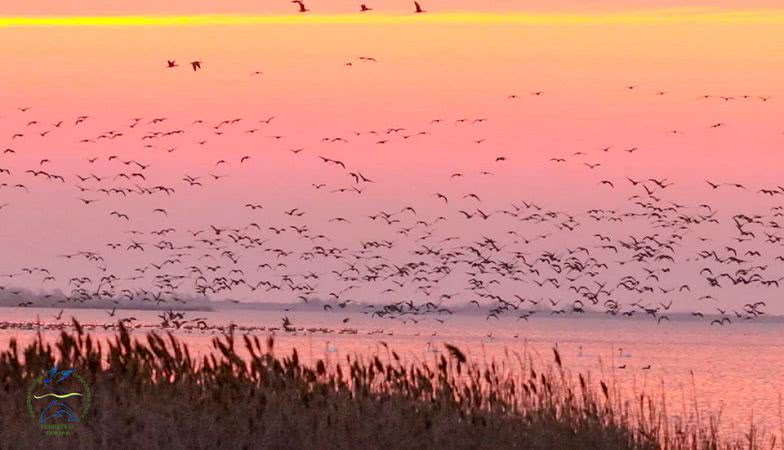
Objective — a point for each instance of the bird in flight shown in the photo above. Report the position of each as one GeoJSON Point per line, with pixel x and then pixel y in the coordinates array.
{"type": "Point", "coordinates": [302, 7]}
{"type": "Point", "coordinates": [417, 8]}
{"type": "Point", "coordinates": [713, 185]}
{"type": "Point", "coordinates": [171, 64]}
{"type": "Point", "coordinates": [196, 65]}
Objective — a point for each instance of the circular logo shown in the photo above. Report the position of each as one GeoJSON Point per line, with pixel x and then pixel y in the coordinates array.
{"type": "Point", "coordinates": [59, 401]}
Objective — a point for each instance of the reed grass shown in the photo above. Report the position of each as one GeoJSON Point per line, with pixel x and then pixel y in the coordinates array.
{"type": "Point", "coordinates": [149, 392]}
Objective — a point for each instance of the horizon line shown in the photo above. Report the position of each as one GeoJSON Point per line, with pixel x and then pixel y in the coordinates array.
{"type": "Point", "coordinates": [669, 15]}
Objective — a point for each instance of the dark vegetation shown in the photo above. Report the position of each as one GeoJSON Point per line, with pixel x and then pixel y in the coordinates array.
{"type": "Point", "coordinates": [151, 393]}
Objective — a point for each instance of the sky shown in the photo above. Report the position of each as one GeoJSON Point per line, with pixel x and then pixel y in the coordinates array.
{"type": "Point", "coordinates": [101, 7]}
{"type": "Point", "coordinates": [461, 60]}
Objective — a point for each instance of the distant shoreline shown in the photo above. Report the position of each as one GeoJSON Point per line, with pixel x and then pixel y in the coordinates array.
{"type": "Point", "coordinates": [359, 308]}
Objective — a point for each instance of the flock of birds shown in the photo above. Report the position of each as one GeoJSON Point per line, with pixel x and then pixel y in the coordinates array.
{"type": "Point", "coordinates": [363, 8]}
{"type": "Point", "coordinates": [630, 261]}
{"type": "Point", "coordinates": [621, 275]}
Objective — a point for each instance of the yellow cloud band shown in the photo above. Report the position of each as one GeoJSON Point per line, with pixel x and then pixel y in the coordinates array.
{"type": "Point", "coordinates": [653, 17]}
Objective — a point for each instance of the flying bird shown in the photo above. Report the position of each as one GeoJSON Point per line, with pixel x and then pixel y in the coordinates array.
{"type": "Point", "coordinates": [302, 7]}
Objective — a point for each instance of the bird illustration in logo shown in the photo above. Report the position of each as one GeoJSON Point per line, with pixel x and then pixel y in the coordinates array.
{"type": "Point", "coordinates": [57, 376]}
{"type": "Point", "coordinates": [57, 408]}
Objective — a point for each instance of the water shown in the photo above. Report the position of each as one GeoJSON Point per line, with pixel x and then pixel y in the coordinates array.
{"type": "Point", "coordinates": [736, 369]}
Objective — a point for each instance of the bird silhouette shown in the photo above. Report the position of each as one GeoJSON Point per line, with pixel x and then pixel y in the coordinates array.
{"type": "Point", "coordinates": [301, 5]}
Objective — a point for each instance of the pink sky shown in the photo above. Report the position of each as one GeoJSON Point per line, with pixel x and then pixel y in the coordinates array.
{"type": "Point", "coordinates": [423, 72]}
